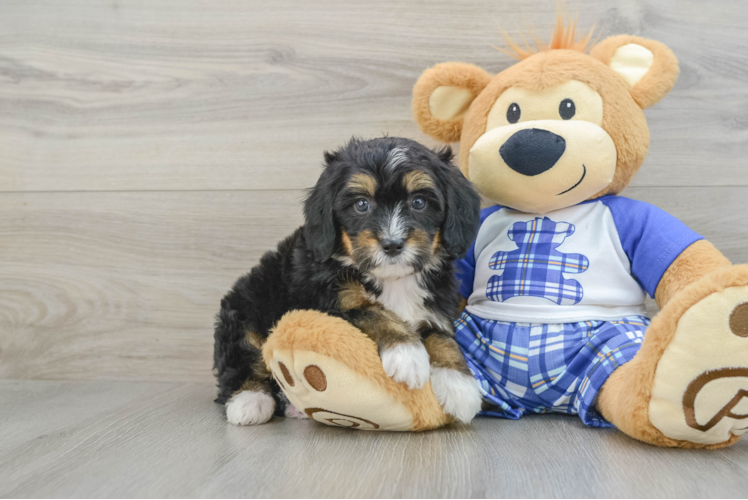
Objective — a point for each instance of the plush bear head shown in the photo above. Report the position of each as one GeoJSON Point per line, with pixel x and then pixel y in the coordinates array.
{"type": "Point", "coordinates": [557, 128]}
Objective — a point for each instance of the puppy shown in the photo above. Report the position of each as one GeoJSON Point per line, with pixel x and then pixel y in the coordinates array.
{"type": "Point", "coordinates": [383, 225]}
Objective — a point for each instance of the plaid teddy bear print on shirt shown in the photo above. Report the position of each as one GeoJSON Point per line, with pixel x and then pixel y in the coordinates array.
{"type": "Point", "coordinates": [536, 268]}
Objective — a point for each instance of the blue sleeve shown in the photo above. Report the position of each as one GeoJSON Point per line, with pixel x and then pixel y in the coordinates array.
{"type": "Point", "coordinates": [651, 238]}
{"type": "Point", "coordinates": [465, 268]}
{"type": "Point", "coordinates": [465, 272]}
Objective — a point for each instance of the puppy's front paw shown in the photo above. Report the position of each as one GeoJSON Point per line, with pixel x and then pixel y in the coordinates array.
{"type": "Point", "coordinates": [407, 363]}
{"type": "Point", "coordinates": [458, 393]}
{"type": "Point", "coordinates": [250, 408]}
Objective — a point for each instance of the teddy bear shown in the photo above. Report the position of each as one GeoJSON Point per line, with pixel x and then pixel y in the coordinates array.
{"type": "Point", "coordinates": [555, 282]}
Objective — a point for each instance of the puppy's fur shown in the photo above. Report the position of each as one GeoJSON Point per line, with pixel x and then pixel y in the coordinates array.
{"type": "Point", "coordinates": [384, 224]}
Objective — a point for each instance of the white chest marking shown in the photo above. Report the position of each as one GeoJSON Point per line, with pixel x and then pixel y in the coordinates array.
{"type": "Point", "coordinates": [405, 297]}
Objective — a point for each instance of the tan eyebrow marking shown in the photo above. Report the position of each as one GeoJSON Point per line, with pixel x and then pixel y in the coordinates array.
{"type": "Point", "coordinates": [363, 183]}
{"type": "Point", "coordinates": [416, 180]}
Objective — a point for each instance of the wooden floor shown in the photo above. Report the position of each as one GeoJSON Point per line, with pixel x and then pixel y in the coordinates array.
{"type": "Point", "coordinates": [152, 150]}
{"type": "Point", "coordinates": [139, 439]}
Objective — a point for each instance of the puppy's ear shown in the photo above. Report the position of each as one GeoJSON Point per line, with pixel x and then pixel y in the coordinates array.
{"type": "Point", "coordinates": [319, 228]}
{"type": "Point", "coordinates": [463, 213]}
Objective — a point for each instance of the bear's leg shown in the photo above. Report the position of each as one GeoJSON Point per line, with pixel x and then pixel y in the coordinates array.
{"type": "Point", "coordinates": [331, 371]}
{"type": "Point", "coordinates": [688, 385]}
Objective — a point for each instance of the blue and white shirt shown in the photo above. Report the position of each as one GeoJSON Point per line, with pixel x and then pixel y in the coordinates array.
{"type": "Point", "coordinates": [592, 261]}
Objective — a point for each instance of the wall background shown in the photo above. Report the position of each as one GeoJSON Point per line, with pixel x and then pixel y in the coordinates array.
{"type": "Point", "coordinates": [151, 151]}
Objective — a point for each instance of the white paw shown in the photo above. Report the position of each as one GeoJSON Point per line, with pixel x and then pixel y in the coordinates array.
{"type": "Point", "coordinates": [250, 408]}
{"type": "Point", "coordinates": [459, 394]}
{"type": "Point", "coordinates": [292, 412]}
{"type": "Point", "coordinates": [407, 363]}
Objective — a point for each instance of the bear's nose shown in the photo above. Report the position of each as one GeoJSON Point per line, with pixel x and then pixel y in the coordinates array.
{"type": "Point", "coordinates": [532, 151]}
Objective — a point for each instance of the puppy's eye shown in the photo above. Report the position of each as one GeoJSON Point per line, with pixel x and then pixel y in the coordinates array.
{"type": "Point", "coordinates": [513, 113]}
{"type": "Point", "coordinates": [361, 205]}
{"type": "Point", "coordinates": [419, 203]}
{"type": "Point", "coordinates": [567, 109]}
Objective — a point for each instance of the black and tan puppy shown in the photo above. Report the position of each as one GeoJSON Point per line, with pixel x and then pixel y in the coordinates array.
{"type": "Point", "coordinates": [384, 224]}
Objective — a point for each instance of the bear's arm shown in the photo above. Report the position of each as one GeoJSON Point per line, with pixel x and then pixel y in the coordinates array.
{"type": "Point", "coordinates": [665, 254]}
{"type": "Point", "coordinates": [696, 261]}
{"type": "Point", "coordinates": [465, 273]}
{"type": "Point", "coordinates": [465, 267]}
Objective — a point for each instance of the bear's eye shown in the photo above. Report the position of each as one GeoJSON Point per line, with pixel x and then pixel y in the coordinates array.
{"type": "Point", "coordinates": [361, 205]}
{"type": "Point", "coordinates": [513, 113]}
{"type": "Point", "coordinates": [567, 109]}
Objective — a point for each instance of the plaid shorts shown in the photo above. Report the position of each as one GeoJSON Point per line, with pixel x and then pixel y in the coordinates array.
{"type": "Point", "coordinates": [544, 368]}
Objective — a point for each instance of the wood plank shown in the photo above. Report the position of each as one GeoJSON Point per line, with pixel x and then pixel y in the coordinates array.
{"type": "Point", "coordinates": [114, 439]}
{"type": "Point", "coordinates": [124, 286]}
{"type": "Point", "coordinates": [175, 95]}
{"type": "Point", "coordinates": [107, 285]}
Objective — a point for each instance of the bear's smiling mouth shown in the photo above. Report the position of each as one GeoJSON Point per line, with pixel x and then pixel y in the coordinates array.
{"type": "Point", "coordinates": [578, 182]}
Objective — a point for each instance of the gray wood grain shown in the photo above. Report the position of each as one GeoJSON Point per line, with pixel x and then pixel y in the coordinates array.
{"type": "Point", "coordinates": [118, 439]}
{"type": "Point", "coordinates": [124, 286]}
{"type": "Point", "coordinates": [96, 285]}
{"type": "Point", "coordinates": [174, 95]}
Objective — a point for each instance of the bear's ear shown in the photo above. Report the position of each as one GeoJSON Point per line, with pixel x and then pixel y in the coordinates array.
{"type": "Point", "coordinates": [649, 67]}
{"type": "Point", "coordinates": [442, 96]}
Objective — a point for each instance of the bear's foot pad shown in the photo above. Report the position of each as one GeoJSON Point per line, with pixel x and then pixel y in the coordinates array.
{"type": "Point", "coordinates": [700, 391]}
{"type": "Point", "coordinates": [322, 387]}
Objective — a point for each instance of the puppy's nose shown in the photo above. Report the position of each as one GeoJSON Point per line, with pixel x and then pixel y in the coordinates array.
{"type": "Point", "coordinates": [532, 151]}
{"type": "Point", "coordinates": [393, 247]}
